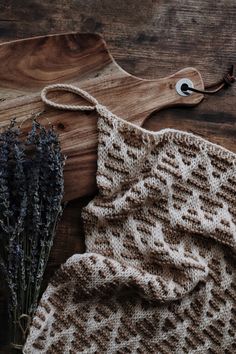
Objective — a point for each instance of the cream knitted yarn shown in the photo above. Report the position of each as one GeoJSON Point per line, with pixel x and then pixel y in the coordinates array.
{"type": "Point", "coordinates": [158, 275]}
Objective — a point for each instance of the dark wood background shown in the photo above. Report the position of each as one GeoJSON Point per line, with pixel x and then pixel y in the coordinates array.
{"type": "Point", "coordinates": [150, 39]}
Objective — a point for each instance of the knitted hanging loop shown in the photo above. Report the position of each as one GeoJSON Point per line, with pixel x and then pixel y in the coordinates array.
{"type": "Point", "coordinates": [72, 89]}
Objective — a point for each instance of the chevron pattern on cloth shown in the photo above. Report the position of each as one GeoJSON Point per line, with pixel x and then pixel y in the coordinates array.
{"type": "Point", "coordinates": [159, 272]}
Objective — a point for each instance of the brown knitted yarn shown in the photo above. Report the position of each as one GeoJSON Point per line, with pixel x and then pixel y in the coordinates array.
{"type": "Point", "coordinates": [158, 275]}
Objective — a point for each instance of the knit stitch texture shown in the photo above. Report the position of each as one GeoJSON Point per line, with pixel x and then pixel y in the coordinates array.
{"type": "Point", "coordinates": [158, 275]}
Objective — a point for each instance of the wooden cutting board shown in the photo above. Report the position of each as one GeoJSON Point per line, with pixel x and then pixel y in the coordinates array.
{"type": "Point", "coordinates": [84, 60]}
{"type": "Point", "coordinates": [81, 59]}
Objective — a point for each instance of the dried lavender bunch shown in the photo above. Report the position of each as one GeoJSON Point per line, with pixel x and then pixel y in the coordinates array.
{"type": "Point", "coordinates": [31, 192]}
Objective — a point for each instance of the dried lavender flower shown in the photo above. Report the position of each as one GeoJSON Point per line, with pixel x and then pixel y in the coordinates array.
{"type": "Point", "coordinates": [31, 192]}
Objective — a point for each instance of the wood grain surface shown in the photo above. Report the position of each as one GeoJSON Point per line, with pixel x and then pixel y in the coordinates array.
{"type": "Point", "coordinates": [86, 64]}
{"type": "Point", "coordinates": [150, 39]}
{"type": "Point", "coordinates": [29, 65]}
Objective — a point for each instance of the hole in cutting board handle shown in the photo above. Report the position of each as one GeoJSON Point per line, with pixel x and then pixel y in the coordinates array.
{"type": "Point", "coordinates": [182, 86]}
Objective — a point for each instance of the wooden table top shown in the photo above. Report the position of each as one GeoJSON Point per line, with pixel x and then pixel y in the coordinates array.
{"type": "Point", "coordinates": [150, 39]}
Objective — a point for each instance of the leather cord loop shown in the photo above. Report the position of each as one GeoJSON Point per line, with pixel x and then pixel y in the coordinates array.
{"type": "Point", "coordinates": [226, 81]}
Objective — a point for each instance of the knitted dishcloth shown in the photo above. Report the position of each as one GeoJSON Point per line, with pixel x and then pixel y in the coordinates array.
{"type": "Point", "coordinates": [159, 272]}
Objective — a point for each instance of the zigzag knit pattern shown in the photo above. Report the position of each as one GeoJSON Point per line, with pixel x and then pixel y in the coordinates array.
{"type": "Point", "coordinates": [158, 275]}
